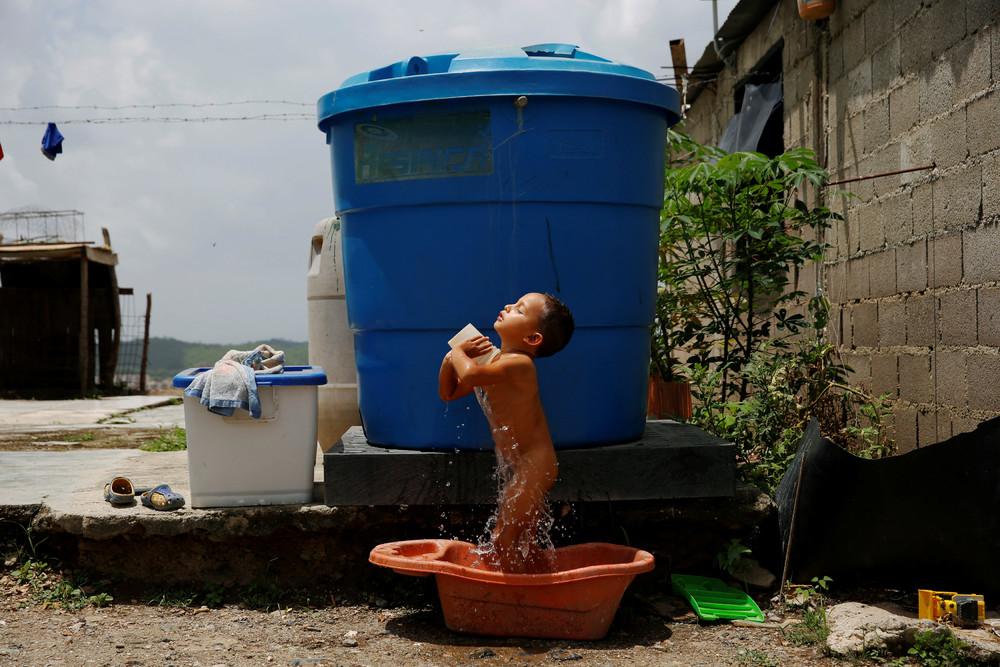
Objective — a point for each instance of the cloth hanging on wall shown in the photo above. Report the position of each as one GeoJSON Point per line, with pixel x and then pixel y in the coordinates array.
{"type": "Point", "coordinates": [52, 142]}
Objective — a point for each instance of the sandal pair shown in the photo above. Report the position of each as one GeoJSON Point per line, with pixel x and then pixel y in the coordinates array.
{"type": "Point", "coordinates": [120, 491]}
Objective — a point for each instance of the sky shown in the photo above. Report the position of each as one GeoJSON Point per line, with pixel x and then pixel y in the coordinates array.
{"type": "Point", "coordinates": [215, 218]}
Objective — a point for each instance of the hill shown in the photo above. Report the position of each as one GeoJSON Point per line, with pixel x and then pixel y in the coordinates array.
{"type": "Point", "coordinates": [167, 356]}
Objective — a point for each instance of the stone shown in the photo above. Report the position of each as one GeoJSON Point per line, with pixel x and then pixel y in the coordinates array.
{"type": "Point", "coordinates": [856, 628]}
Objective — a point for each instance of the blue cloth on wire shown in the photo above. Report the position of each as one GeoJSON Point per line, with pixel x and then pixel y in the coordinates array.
{"type": "Point", "coordinates": [52, 142]}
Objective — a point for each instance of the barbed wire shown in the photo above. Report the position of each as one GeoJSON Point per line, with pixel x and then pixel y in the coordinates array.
{"type": "Point", "coordinates": [166, 105]}
{"type": "Point", "coordinates": [121, 120]}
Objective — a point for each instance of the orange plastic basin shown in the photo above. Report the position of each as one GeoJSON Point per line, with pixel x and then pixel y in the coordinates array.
{"type": "Point", "coordinates": [577, 600]}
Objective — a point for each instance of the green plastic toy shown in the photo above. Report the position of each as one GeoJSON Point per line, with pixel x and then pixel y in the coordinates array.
{"type": "Point", "coordinates": [713, 600]}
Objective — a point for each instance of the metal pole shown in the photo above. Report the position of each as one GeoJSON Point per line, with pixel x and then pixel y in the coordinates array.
{"type": "Point", "coordinates": [145, 345]}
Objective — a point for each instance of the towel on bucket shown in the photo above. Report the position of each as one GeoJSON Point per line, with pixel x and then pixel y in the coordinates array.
{"type": "Point", "coordinates": [232, 382]}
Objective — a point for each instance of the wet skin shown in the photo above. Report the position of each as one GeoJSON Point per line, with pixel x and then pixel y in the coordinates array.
{"type": "Point", "coordinates": [520, 430]}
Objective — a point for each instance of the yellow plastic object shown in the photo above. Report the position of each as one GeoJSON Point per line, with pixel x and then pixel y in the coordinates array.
{"type": "Point", "coordinates": [960, 609]}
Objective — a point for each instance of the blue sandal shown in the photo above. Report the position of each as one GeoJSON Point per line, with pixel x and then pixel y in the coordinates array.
{"type": "Point", "coordinates": [120, 491]}
{"type": "Point", "coordinates": [162, 498]}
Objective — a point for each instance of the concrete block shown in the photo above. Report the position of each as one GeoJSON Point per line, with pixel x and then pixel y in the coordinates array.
{"type": "Point", "coordinates": [915, 151]}
{"type": "Point", "coordinates": [957, 317]}
{"type": "Point", "coordinates": [989, 316]}
{"type": "Point", "coordinates": [835, 280]}
{"type": "Point", "coordinates": [937, 88]}
{"type": "Point", "coordinates": [897, 218]}
{"type": "Point", "coordinates": [905, 428]}
{"type": "Point", "coordinates": [923, 209]}
{"type": "Point", "coordinates": [884, 160]}
{"type": "Point", "coordinates": [859, 86]}
{"type": "Point", "coordinates": [926, 427]}
{"type": "Point", "coordinates": [995, 52]}
{"type": "Point", "coordinates": [835, 325]}
{"type": "Point", "coordinates": [948, 139]}
{"type": "Point", "coordinates": [943, 25]}
{"type": "Point", "coordinates": [878, 25]}
{"type": "Point", "coordinates": [913, 51]}
{"type": "Point", "coordinates": [885, 374]}
{"type": "Point", "coordinates": [836, 55]}
{"type": "Point", "coordinates": [854, 43]}
{"type": "Point", "coordinates": [885, 65]}
{"type": "Point", "coordinates": [903, 11]}
{"type": "Point", "coordinates": [858, 285]}
{"type": "Point", "coordinates": [951, 379]}
{"type": "Point", "coordinates": [979, 13]}
{"type": "Point", "coordinates": [859, 369]}
{"type": "Point", "coordinates": [876, 124]}
{"type": "Point", "coordinates": [957, 198]}
{"type": "Point", "coordinates": [882, 270]}
{"type": "Point", "coordinates": [911, 267]}
{"type": "Point", "coordinates": [904, 106]}
{"type": "Point", "coordinates": [970, 59]}
{"type": "Point", "coordinates": [981, 255]}
{"type": "Point", "coordinates": [946, 260]}
{"type": "Point", "coordinates": [872, 232]}
{"type": "Point", "coordinates": [991, 187]}
{"type": "Point", "coordinates": [864, 324]}
{"type": "Point", "coordinates": [920, 319]}
{"type": "Point", "coordinates": [915, 380]}
{"type": "Point", "coordinates": [982, 121]}
{"type": "Point", "coordinates": [984, 369]}
{"type": "Point", "coordinates": [891, 323]}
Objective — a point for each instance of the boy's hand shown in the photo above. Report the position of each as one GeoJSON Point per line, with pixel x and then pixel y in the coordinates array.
{"type": "Point", "coordinates": [476, 347]}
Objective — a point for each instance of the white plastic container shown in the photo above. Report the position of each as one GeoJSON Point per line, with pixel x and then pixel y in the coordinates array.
{"type": "Point", "coordinates": [241, 461]}
{"type": "Point", "coordinates": [331, 342]}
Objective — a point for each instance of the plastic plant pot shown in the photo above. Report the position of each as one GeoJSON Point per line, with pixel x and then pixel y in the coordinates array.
{"type": "Point", "coordinates": [577, 600]}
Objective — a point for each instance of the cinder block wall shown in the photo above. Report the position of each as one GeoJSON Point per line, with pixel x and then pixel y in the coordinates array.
{"type": "Point", "coordinates": [913, 272]}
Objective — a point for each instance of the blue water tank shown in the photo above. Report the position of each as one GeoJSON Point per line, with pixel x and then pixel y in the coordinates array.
{"type": "Point", "coordinates": [465, 180]}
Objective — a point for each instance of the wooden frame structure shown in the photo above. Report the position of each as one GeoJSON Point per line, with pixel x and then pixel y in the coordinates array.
{"type": "Point", "coordinates": [60, 319]}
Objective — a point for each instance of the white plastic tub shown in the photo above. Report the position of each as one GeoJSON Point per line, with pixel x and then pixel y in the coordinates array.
{"type": "Point", "coordinates": [240, 461]}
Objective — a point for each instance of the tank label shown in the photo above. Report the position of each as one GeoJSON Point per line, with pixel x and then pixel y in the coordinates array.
{"type": "Point", "coordinates": [437, 146]}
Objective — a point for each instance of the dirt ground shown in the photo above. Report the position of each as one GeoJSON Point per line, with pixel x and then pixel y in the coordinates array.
{"type": "Point", "coordinates": [62, 440]}
{"type": "Point", "coordinates": [138, 633]}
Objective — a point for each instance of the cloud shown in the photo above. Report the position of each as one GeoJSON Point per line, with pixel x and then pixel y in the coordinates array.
{"type": "Point", "coordinates": [215, 219]}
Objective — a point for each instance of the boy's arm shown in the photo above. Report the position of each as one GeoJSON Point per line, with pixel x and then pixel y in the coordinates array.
{"type": "Point", "coordinates": [449, 388]}
{"type": "Point", "coordinates": [471, 374]}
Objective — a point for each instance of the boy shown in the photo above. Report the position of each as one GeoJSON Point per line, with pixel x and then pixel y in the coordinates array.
{"type": "Point", "coordinates": [538, 325]}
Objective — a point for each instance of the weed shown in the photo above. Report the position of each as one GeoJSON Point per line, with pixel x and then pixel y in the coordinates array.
{"type": "Point", "coordinates": [939, 648]}
{"type": "Point", "coordinates": [86, 436]}
{"type": "Point", "coordinates": [812, 599]}
{"type": "Point", "coordinates": [755, 658]}
{"type": "Point", "coordinates": [49, 589]}
{"type": "Point", "coordinates": [169, 440]}
{"type": "Point", "coordinates": [732, 557]}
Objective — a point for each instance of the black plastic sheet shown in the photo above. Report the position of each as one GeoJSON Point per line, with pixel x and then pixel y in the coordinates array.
{"type": "Point", "coordinates": [929, 518]}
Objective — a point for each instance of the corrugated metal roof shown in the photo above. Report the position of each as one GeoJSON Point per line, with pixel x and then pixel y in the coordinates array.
{"type": "Point", "coordinates": [42, 251]}
{"type": "Point", "coordinates": [746, 16]}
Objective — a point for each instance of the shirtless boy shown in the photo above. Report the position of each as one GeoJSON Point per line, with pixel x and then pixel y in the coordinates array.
{"type": "Point", "coordinates": [538, 325]}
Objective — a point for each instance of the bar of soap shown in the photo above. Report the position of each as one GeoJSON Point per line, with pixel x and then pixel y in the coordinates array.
{"type": "Point", "coordinates": [467, 332]}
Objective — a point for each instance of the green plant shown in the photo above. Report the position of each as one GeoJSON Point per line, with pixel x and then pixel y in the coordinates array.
{"type": "Point", "coordinates": [756, 658]}
{"type": "Point", "coordinates": [50, 589]}
{"type": "Point", "coordinates": [812, 600]}
{"type": "Point", "coordinates": [732, 228]}
{"type": "Point", "coordinates": [732, 556]}
{"type": "Point", "coordinates": [169, 440]}
{"type": "Point", "coordinates": [939, 648]}
{"type": "Point", "coordinates": [86, 436]}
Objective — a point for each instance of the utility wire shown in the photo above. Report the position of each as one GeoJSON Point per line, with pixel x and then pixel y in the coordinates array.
{"type": "Point", "coordinates": [97, 107]}
{"type": "Point", "coordinates": [120, 120]}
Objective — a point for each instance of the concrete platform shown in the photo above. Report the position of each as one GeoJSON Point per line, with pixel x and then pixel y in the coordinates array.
{"type": "Point", "coordinates": [26, 416]}
{"type": "Point", "coordinates": [58, 497]}
{"type": "Point", "coordinates": [671, 460]}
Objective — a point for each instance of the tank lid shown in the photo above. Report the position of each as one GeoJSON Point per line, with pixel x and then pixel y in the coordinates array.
{"type": "Point", "coordinates": [540, 69]}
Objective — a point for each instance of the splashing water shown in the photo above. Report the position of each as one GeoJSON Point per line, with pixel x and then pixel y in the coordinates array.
{"type": "Point", "coordinates": [538, 536]}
